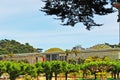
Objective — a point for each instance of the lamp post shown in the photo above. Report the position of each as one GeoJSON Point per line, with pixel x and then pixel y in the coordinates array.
{"type": "Point", "coordinates": [117, 6]}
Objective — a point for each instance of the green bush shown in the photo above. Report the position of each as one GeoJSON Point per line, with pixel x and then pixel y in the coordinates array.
{"type": "Point", "coordinates": [81, 79]}
{"type": "Point", "coordinates": [111, 79]}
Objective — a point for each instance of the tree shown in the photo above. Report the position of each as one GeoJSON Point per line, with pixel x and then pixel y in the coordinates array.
{"type": "Point", "coordinates": [114, 45]}
{"type": "Point", "coordinates": [114, 67]}
{"type": "Point", "coordinates": [71, 12]}
{"type": "Point", "coordinates": [31, 70]}
{"type": "Point", "coordinates": [13, 69]}
{"type": "Point", "coordinates": [75, 51]}
{"type": "Point", "coordinates": [69, 68]}
{"type": "Point", "coordinates": [2, 68]}
{"type": "Point", "coordinates": [12, 46]}
{"type": "Point", "coordinates": [47, 69]}
{"type": "Point", "coordinates": [100, 67]}
{"type": "Point", "coordinates": [67, 52]}
{"type": "Point", "coordinates": [83, 67]}
{"type": "Point", "coordinates": [56, 68]}
{"type": "Point", "coordinates": [65, 69]}
{"type": "Point", "coordinates": [28, 69]}
{"type": "Point", "coordinates": [39, 69]}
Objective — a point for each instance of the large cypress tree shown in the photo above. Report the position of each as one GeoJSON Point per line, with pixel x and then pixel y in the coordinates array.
{"type": "Point", "coordinates": [71, 12]}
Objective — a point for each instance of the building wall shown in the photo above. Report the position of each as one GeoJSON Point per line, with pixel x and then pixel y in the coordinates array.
{"type": "Point", "coordinates": [113, 54]}
{"type": "Point", "coordinates": [29, 57]}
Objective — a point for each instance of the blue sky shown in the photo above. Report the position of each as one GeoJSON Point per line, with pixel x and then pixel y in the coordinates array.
{"type": "Point", "coordinates": [22, 21]}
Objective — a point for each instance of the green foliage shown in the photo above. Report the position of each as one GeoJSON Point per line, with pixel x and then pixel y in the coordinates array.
{"type": "Point", "coordinates": [114, 45]}
{"type": "Point", "coordinates": [96, 58]}
{"type": "Point", "coordinates": [65, 67]}
{"type": "Point", "coordinates": [29, 69]}
{"type": "Point", "coordinates": [13, 69]}
{"type": "Point", "coordinates": [102, 66]}
{"type": "Point", "coordinates": [39, 68]}
{"type": "Point", "coordinates": [48, 68]}
{"type": "Point", "coordinates": [100, 46]}
{"type": "Point", "coordinates": [2, 68]}
{"type": "Point", "coordinates": [72, 61]}
{"type": "Point", "coordinates": [56, 66]}
{"type": "Point", "coordinates": [27, 77]}
{"type": "Point", "coordinates": [75, 51]}
{"type": "Point", "coordinates": [71, 12]}
{"type": "Point", "coordinates": [111, 79]}
{"type": "Point", "coordinates": [54, 50]}
{"type": "Point", "coordinates": [12, 46]}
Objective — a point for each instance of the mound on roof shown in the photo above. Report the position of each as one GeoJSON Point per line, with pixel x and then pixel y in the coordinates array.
{"type": "Point", "coordinates": [51, 50]}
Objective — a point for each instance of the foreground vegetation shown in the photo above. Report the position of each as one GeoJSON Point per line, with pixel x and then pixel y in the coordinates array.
{"type": "Point", "coordinates": [87, 70]}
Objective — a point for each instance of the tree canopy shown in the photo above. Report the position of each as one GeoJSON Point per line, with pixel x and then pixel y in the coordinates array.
{"type": "Point", "coordinates": [71, 12]}
{"type": "Point", "coordinates": [12, 46]}
{"type": "Point", "coordinates": [114, 45]}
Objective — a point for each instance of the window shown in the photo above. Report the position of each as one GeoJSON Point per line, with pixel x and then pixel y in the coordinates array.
{"type": "Point", "coordinates": [47, 57]}
{"type": "Point", "coordinates": [55, 57]}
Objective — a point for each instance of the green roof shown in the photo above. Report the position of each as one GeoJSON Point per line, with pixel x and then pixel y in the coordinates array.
{"type": "Point", "coordinates": [51, 50]}
{"type": "Point", "coordinates": [100, 46]}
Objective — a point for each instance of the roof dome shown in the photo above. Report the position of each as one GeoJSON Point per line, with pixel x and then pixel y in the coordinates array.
{"type": "Point", "coordinates": [51, 50]}
{"type": "Point", "coordinates": [100, 46]}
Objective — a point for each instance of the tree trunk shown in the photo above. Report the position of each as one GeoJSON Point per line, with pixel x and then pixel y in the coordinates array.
{"type": "Point", "coordinates": [83, 74]}
{"type": "Point", "coordinates": [55, 76]}
{"type": "Point", "coordinates": [50, 76]}
{"type": "Point", "coordinates": [12, 77]}
{"type": "Point", "coordinates": [66, 76]}
{"type": "Point", "coordinates": [114, 75]}
{"type": "Point", "coordinates": [37, 77]}
{"type": "Point", "coordinates": [46, 75]}
{"type": "Point", "coordinates": [95, 76]}
{"type": "Point", "coordinates": [117, 75]}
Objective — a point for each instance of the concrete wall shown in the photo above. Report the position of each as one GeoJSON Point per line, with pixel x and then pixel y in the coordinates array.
{"type": "Point", "coordinates": [113, 54]}
{"type": "Point", "coordinates": [29, 57]}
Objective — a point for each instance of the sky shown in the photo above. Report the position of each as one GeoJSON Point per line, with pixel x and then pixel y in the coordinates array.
{"type": "Point", "coordinates": [22, 20]}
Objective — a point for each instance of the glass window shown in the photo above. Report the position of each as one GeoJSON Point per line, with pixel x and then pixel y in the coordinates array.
{"type": "Point", "coordinates": [47, 57]}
